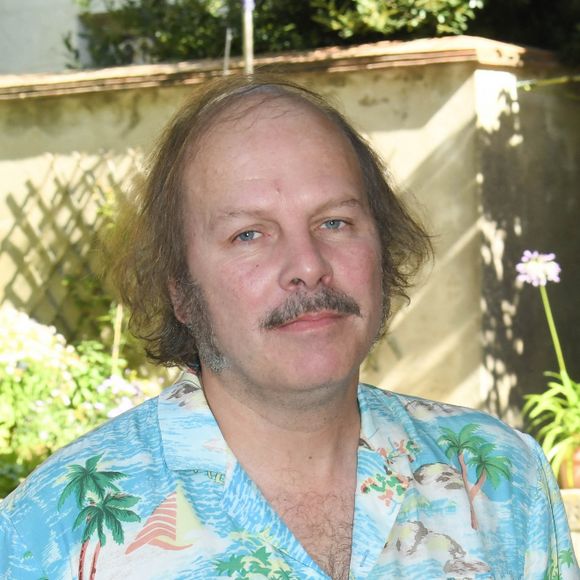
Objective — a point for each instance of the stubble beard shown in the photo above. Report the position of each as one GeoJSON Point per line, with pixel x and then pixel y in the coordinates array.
{"type": "Point", "coordinates": [200, 326]}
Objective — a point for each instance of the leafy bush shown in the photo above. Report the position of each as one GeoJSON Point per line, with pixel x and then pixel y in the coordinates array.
{"type": "Point", "coordinates": [132, 31]}
{"type": "Point", "coordinates": [362, 18]}
{"type": "Point", "coordinates": [52, 392]}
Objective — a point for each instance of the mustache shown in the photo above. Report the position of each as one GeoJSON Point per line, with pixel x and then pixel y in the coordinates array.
{"type": "Point", "coordinates": [299, 304]}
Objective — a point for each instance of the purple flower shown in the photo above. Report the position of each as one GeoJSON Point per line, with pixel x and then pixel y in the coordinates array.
{"type": "Point", "coordinates": [538, 269]}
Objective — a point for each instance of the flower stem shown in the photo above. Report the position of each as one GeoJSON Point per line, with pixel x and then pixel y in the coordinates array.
{"type": "Point", "coordinates": [553, 332]}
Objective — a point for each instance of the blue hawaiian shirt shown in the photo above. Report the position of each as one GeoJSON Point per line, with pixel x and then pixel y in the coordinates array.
{"type": "Point", "coordinates": [442, 492]}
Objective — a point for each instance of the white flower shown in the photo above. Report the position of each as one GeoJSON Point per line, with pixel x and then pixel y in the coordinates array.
{"type": "Point", "coordinates": [124, 405]}
{"type": "Point", "coordinates": [538, 269]}
{"type": "Point", "coordinates": [116, 385]}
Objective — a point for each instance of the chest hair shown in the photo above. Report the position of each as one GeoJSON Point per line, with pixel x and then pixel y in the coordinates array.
{"type": "Point", "coordinates": [322, 523]}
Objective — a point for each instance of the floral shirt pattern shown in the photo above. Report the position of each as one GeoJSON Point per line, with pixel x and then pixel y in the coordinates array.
{"type": "Point", "coordinates": [442, 492]}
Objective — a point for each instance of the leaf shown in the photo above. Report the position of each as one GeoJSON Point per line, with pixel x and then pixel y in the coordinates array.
{"type": "Point", "coordinates": [91, 463]}
{"type": "Point", "coordinates": [91, 527]}
{"type": "Point", "coordinates": [101, 533]}
{"type": "Point", "coordinates": [84, 515]}
{"type": "Point", "coordinates": [485, 449]}
{"type": "Point", "coordinates": [70, 487]}
{"type": "Point", "coordinates": [566, 557]}
{"type": "Point", "coordinates": [552, 434]}
{"type": "Point", "coordinates": [448, 433]}
{"type": "Point", "coordinates": [92, 483]}
{"type": "Point", "coordinates": [283, 575]}
{"type": "Point", "coordinates": [127, 516]}
{"type": "Point", "coordinates": [122, 500]}
{"type": "Point", "coordinates": [115, 526]}
{"type": "Point", "coordinates": [234, 564]}
{"type": "Point", "coordinates": [112, 475]}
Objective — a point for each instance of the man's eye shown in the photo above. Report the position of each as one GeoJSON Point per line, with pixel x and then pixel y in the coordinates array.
{"type": "Point", "coordinates": [333, 224]}
{"type": "Point", "coordinates": [248, 236]}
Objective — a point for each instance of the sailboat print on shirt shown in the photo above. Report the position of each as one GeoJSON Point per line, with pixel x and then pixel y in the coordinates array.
{"type": "Point", "coordinates": [169, 526]}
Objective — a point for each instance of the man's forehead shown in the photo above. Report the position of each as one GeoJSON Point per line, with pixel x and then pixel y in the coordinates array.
{"type": "Point", "coordinates": [243, 113]}
{"type": "Point", "coordinates": [253, 149]}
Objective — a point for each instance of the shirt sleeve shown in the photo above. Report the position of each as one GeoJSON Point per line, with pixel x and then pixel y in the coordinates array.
{"type": "Point", "coordinates": [549, 550]}
{"type": "Point", "coordinates": [16, 560]}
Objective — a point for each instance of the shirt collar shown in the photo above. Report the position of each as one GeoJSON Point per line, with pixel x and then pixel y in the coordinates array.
{"type": "Point", "coordinates": [192, 440]}
{"type": "Point", "coordinates": [191, 437]}
{"type": "Point", "coordinates": [384, 474]}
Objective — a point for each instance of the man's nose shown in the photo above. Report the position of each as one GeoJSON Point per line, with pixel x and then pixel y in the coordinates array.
{"type": "Point", "coordinates": [304, 263]}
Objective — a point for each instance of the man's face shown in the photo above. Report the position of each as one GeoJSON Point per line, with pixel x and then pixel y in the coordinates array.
{"type": "Point", "coordinates": [282, 250]}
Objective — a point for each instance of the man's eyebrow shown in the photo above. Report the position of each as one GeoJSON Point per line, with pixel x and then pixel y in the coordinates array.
{"type": "Point", "coordinates": [232, 214]}
{"type": "Point", "coordinates": [351, 202]}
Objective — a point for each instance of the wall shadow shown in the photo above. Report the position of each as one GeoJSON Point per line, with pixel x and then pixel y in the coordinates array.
{"type": "Point", "coordinates": [49, 251]}
{"type": "Point", "coordinates": [529, 201]}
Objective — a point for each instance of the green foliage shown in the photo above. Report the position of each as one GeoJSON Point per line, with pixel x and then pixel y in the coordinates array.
{"type": "Point", "coordinates": [50, 393]}
{"type": "Point", "coordinates": [110, 510]}
{"type": "Point", "coordinates": [164, 30]}
{"type": "Point", "coordinates": [102, 505]}
{"type": "Point", "coordinates": [555, 415]}
{"type": "Point", "coordinates": [261, 563]}
{"type": "Point", "coordinates": [152, 30]}
{"type": "Point", "coordinates": [132, 31]}
{"type": "Point", "coordinates": [459, 443]}
{"type": "Point", "coordinates": [566, 557]}
{"type": "Point", "coordinates": [362, 18]}
{"type": "Point", "coordinates": [101, 319]}
{"type": "Point", "coordinates": [495, 467]}
{"type": "Point", "coordinates": [85, 479]}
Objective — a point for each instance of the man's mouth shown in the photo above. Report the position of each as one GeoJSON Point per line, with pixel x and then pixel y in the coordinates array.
{"type": "Point", "coordinates": [311, 320]}
{"type": "Point", "coordinates": [324, 307]}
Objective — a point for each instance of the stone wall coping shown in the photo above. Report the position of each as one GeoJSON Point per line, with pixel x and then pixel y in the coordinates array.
{"type": "Point", "coordinates": [481, 52]}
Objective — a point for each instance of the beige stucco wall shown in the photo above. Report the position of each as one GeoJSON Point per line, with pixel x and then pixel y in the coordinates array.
{"type": "Point", "coordinates": [58, 158]}
{"type": "Point", "coordinates": [432, 124]}
{"type": "Point", "coordinates": [423, 122]}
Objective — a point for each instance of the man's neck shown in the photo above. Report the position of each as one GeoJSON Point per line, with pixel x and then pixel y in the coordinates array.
{"type": "Point", "coordinates": [314, 432]}
{"type": "Point", "coordinates": [301, 451]}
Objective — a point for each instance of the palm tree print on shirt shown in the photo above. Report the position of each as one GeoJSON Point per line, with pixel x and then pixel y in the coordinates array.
{"type": "Point", "coordinates": [102, 505]}
{"type": "Point", "coordinates": [256, 561]}
{"type": "Point", "coordinates": [473, 450]}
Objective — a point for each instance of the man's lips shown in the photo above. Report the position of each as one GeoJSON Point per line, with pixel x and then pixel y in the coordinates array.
{"type": "Point", "coordinates": [312, 320]}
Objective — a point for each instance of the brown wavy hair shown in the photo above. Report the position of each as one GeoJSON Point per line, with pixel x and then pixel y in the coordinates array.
{"type": "Point", "coordinates": [147, 249]}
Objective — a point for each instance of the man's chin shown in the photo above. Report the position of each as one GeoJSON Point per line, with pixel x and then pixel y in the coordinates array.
{"type": "Point", "coordinates": [311, 377]}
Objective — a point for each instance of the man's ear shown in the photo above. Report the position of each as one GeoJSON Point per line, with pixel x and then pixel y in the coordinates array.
{"type": "Point", "coordinates": [176, 296]}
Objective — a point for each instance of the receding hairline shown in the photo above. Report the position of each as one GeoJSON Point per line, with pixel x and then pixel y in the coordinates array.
{"type": "Point", "coordinates": [268, 101]}
{"type": "Point", "coordinates": [232, 107]}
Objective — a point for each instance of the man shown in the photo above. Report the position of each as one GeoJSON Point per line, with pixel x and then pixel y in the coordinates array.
{"type": "Point", "coordinates": [262, 255]}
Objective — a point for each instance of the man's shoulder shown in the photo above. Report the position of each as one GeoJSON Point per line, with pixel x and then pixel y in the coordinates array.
{"type": "Point", "coordinates": [114, 446]}
{"type": "Point", "coordinates": [437, 421]}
